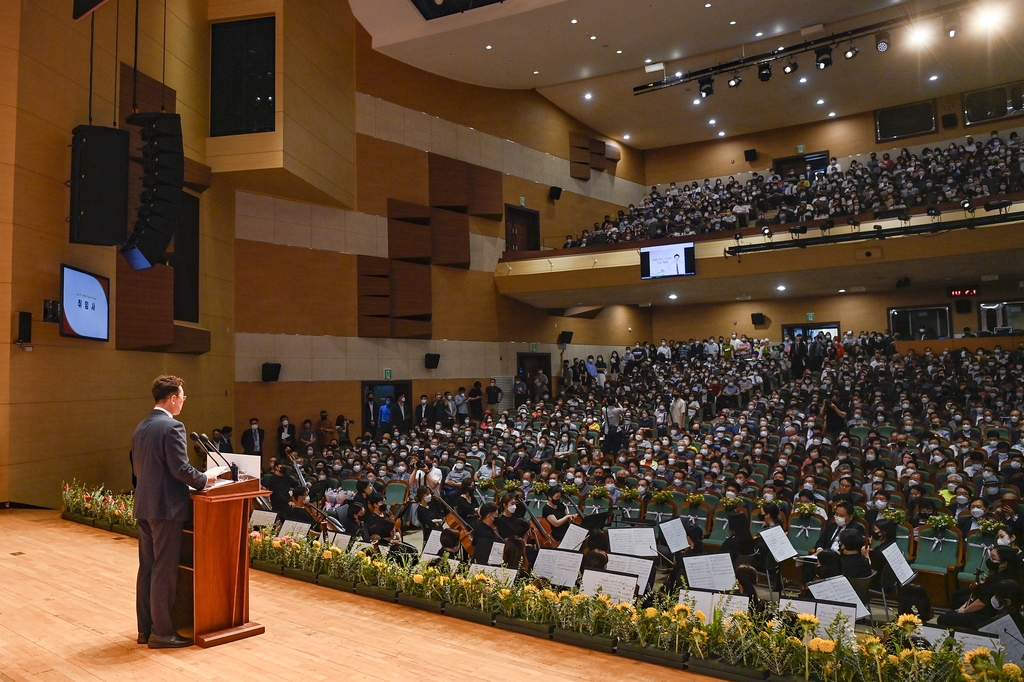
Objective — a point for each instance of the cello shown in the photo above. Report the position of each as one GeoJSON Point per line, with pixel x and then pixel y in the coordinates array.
{"type": "Point", "coordinates": [456, 523]}
{"type": "Point", "coordinates": [540, 529]}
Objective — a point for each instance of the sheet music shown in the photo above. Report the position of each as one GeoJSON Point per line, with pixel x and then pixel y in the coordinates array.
{"type": "Point", "coordinates": [262, 519]}
{"type": "Point", "coordinates": [898, 563]}
{"type": "Point", "coordinates": [560, 567]}
{"type": "Point", "coordinates": [827, 614]}
{"type": "Point", "coordinates": [1009, 637]}
{"type": "Point", "coordinates": [935, 636]}
{"type": "Point", "coordinates": [674, 534]}
{"type": "Point", "coordinates": [797, 606]}
{"type": "Point", "coordinates": [702, 601]}
{"type": "Point", "coordinates": [574, 537]}
{"type": "Point", "coordinates": [359, 546]}
{"type": "Point", "coordinates": [618, 587]}
{"type": "Point", "coordinates": [453, 565]}
{"type": "Point", "coordinates": [432, 547]}
{"type": "Point", "coordinates": [727, 603]}
{"type": "Point", "coordinates": [710, 572]}
{"type": "Point", "coordinates": [497, 551]}
{"type": "Point", "coordinates": [633, 541]}
{"type": "Point", "coordinates": [632, 565]}
{"type": "Point", "coordinates": [972, 641]}
{"type": "Point", "coordinates": [778, 543]}
{"type": "Point", "coordinates": [297, 529]}
{"type": "Point", "coordinates": [838, 589]}
{"type": "Point", "coordinates": [505, 576]}
{"type": "Point", "coordinates": [339, 540]}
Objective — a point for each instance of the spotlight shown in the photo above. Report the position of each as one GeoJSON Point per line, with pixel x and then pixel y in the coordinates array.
{"type": "Point", "coordinates": [766, 230]}
{"type": "Point", "coordinates": [706, 86]}
{"type": "Point", "coordinates": [965, 204]}
{"type": "Point", "coordinates": [798, 229]}
{"type": "Point", "coordinates": [878, 232]}
{"type": "Point", "coordinates": [853, 222]}
{"type": "Point", "coordinates": [791, 66]}
{"type": "Point", "coordinates": [882, 43]}
{"type": "Point", "coordinates": [998, 205]}
{"type": "Point", "coordinates": [764, 72]}
{"type": "Point", "coordinates": [823, 57]}
{"type": "Point", "coordinates": [851, 52]}
{"type": "Point", "coordinates": [735, 81]}
{"type": "Point", "coordinates": [738, 236]}
{"type": "Point", "coordinates": [951, 23]}
{"type": "Point", "coordinates": [934, 211]}
{"type": "Point", "coordinates": [827, 225]}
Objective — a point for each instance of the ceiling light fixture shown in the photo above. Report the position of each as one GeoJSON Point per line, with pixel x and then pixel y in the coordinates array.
{"type": "Point", "coordinates": [672, 297]}
{"type": "Point", "coordinates": [647, 61]}
{"type": "Point", "coordinates": [706, 86]}
{"type": "Point", "coordinates": [593, 37]}
{"type": "Point", "coordinates": [535, 73]}
{"type": "Point", "coordinates": [882, 42]}
{"type": "Point", "coordinates": [488, 47]}
{"type": "Point", "coordinates": [711, 122]}
{"type": "Point", "coordinates": [696, 101]}
{"type": "Point", "coordinates": [764, 72]}
{"type": "Point", "coordinates": [823, 57]}
{"type": "Point", "coordinates": [732, 23]}
{"type": "Point", "coordinates": [820, 101]}
{"type": "Point", "coordinates": [919, 35]}
{"type": "Point", "coordinates": [804, 79]}
{"type": "Point", "coordinates": [588, 96]}
{"type": "Point", "coordinates": [625, 137]}
{"type": "Point", "coordinates": [951, 24]}
{"type": "Point", "coordinates": [781, 287]}
{"type": "Point", "coordinates": [842, 291]}
{"type": "Point", "coordinates": [707, 5]}
{"type": "Point", "coordinates": [934, 78]}
{"type": "Point", "coordinates": [679, 74]}
{"type": "Point", "coordinates": [851, 52]}
{"type": "Point", "coordinates": [735, 81]}
{"type": "Point", "coordinates": [721, 133]}
{"type": "Point", "coordinates": [759, 34]}
{"type": "Point", "coordinates": [831, 114]}
{"type": "Point", "coordinates": [573, 21]}
{"type": "Point", "coordinates": [791, 66]}
{"type": "Point", "coordinates": [618, 51]}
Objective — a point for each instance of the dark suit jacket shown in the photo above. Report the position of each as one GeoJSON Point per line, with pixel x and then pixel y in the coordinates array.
{"type": "Point", "coordinates": [401, 413]}
{"type": "Point", "coordinates": [424, 415]}
{"type": "Point", "coordinates": [160, 463]}
{"type": "Point", "coordinates": [281, 443]}
{"type": "Point", "coordinates": [249, 445]}
{"type": "Point", "coordinates": [828, 533]}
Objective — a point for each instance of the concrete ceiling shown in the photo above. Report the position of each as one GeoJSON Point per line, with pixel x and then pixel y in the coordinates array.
{"type": "Point", "coordinates": [537, 35]}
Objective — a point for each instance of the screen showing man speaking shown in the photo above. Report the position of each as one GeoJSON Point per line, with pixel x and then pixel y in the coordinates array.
{"type": "Point", "coordinates": [671, 260]}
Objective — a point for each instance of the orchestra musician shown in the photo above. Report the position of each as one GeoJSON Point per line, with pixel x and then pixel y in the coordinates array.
{"type": "Point", "coordinates": [297, 507]}
{"type": "Point", "coordinates": [430, 513]}
{"type": "Point", "coordinates": [379, 525]}
{"type": "Point", "coordinates": [451, 545]}
{"type": "Point", "coordinates": [485, 534]}
{"type": "Point", "coordinates": [556, 514]}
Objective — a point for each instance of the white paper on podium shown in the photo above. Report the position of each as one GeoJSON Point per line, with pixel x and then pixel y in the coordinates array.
{"type": "Point", "coordinates": [619, 587]}
{"type": "Point", "coordinates": [778, 543]}
{"type": "Point", "coordinates": [497, 551]}
{"type": "Point", "coordinates": [502, 575]}
{"type": "Point", "coordinates": [262, 519]}
{"type": "Point", "coordinates": [432, 547]}
{"type": "Point", "coordinates": [574, 537]}
{"type": "Point", "coordinates": [339, 540]}
{"type": "Point", "coordinates": [633, 541]}
{"type": "Point", "coordinates": [838, 589]}
{"type": "Point", "coordinates": [297, 529]}
{"type": "Point", "coordinates": [702, 601]}
{"type": "Point", "coordinates": [247, 464]}
{"type": "Point", "coordinates": [558, 566]}
{"type": "Point", "coordinates": [1009, 637]}
{"type": "Point", "coordinates": [898, 563]}
{"type": "Point", "coordinates": [674, 534]}
{"type": "Point", "coordinates": [710, 572]}
{"type": "Point", "coordinates": [641, 568]}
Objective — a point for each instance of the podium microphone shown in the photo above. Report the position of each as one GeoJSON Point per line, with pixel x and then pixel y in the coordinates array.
{"type": "Point", "coordinates": [195, 437]}
{"type": "Point", "coordinates": [213, 448]}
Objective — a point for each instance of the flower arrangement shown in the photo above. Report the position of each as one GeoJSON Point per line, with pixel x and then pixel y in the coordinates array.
{"type": "Point", "coordinates": [570, 489]}
{"type": "Point", "coordinates": [730, 502]}
{"type": "Point", "coordinates": [989, 526]}
{"type": "Point", "coordinates": [629, 494]}
{"type": "Point", "coordinates": [539, 487]}
{"type": "Point", "coordinates": [98, 503]}
{"type": "Point", "coordinates": [662, 497]}
{"type": "Point", "coordinates": [895, 515]}
{"type": "Point", "coordinates": [695, 499]}
{"type": "Point", "coordinates": [598, 492]}
{"type": "Point", "coordinates": [805, 508]}
{"type": "Point", "coordinates": [941, 521]}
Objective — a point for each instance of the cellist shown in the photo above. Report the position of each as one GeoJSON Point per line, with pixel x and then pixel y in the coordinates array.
{"type": "Point", "coordinates": [486, 533]}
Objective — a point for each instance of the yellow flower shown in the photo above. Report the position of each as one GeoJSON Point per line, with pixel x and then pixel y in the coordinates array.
{"type": "Point", "coordinates": [699, 615]}
{"type": "Point", "coordinates": [503, 594]}
{"type": "Point", "coordinates": [924, 655]}
{"type": "Point", "coordinates": [976, 657]}
{"type": "Point", "coordinates": [482, 577]}
{"type": "Point", "coordinates": [874, 647]}
{"type": "Point", "coordinates": [277, 544]}
{"type": "Point", "coordinates": [327, 554]}
{"type": "Point", "coordinates": [531, 588]}
{"type": "Point", "coordinates": [418, 579]}
{"type": "Point", "coordinates": [548, 594]}
{"type": "Point", "coordinates": [316, 543]}
{"type": "Point", "coordinates": [824, 646]}
{"type": "Point", "coordinates": [579, 598]}
{"type": "Point", "coordinates": [651, 612]}
{"type": "Point", "coordinates": [894, 660]}
{"type": "Point", "coordinates": [908, 622]}
{"type": "Point", "coordinates": [1011, 670]}
{"type": "Point", "coordinates": [681, 607]}
{"type": "Point", "coordinates": [807, 619]}
{"type": "Point", "coordinates": [563, 594]}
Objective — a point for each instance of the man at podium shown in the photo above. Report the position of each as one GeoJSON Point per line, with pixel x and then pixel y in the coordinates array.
{"type": "Point", "coordinates": [162, 505]}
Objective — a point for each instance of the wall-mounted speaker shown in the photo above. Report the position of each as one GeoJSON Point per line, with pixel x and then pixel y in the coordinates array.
{"type": "Point", "coordinates": [963, 305]}
{"type": "Point", "coordinates": [555, 193]}
{"type": "Point", "coordinates": [99, 186]}
{"type": "Point", "coordinates": [431, 360]}
{"type": "Point", "coordinates": [756, 319]}
{"type": "Point", "coordinates": [750, 155]}
{"type": "Point", "coordinates": [271, 371]}
{"type": "Point", "coordinates": [950, 121]}
{"type": "Point", "coordinates": [24, 328]}
{"type": "Point", "coordinates": [564, 338]}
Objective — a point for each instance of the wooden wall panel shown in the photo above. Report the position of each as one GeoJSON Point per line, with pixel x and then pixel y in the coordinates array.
{"type": "Point", "coordinates": [374, 296]}
{"type": "Point", "coordinates": [144, 318]}
{"type": "Point", "coordinates": [449, 183]}
{"type": "Point", "coordinates": [190, 340]}
{"type": "Point", "coordinates": [410, 290]}
{"type": "Point", "coordinates": [299, 400]}
{"type": "Point", "coordinates": [580, 171]}
{"type": "Point", "coordinates": [450, 235]}
{"type": "Point", "coordinates": [579, 141]}
{"type": "Point", "coordinates": [389, 171]}
{"type": "Point", "coordinates": [485, 193]}
{"type": "Point", "coordinates": [409, 213]}
{"type": "Point", "coordinates": [409, 241]}
{"type": "Point", "coordinates": [577, 155]}
{"type": "Point", "coordinates": [410, 329]}
{"type": "Point", "coordinates": [374, 306]}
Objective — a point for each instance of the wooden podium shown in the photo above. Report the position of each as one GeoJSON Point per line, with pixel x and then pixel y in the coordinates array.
{"type": "Point", "coordinates": [213, 581]}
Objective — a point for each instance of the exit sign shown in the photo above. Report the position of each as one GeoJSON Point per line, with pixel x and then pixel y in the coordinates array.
{"type": "Point", "coordinates": [533, 348]}
{"type": "Point", "coordinates": [810, 317]}
{"type": "Point", "coordinates": [387, 373]}
{"type": "Point", "coordinates": [522, 201]}
{"type": "Point", "coordinates": [800, 149]}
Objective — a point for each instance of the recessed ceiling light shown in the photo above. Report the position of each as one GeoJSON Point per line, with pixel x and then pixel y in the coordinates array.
{"type": "Point", "coordinates": [618, 51]}
{"type": "Point", "coordinates": [842, 291]}
{"type": "Point", "coordinates": [573, 21]}
{"type": "Point", "coordinates": [781, 287]}
{"type": "Point", "coordinates": [593, 37]}
{"type": "Point", "coordinates": [821, 101]}
{"type": "Point", "coordinates": [625, 137]}
{"type": "Point", "coordinates": [804, 79]}
{"type": "Point", "coordinates": [696, 101]}
{"type": "Point", "coordinates": [721, 133]}
{"type": "Point", "coordinates": [535, 73]}
{"type": "Point", "coordinates": [488, 47]}
{"type": "Point", "coordinates": [732, 23]}
{"type": "Point", "coordinates": [672, 297]}
{"type": "Point", "coordinates": [759, 34]}
{"type": "Point", "coordinates": [647, 61]}
{"type": "Point", "coordinates": [587, 96]}
{"type": "Point", "coordinates": [711, 122]}
{"type": "Point", "coordinates": [707, 5]}
{"type": "Point", "coordinates": [934, 78]}
{"type": "Point", "coordinates": [831, 114]}
{"type": "Point", "coordinates": [679, 74]}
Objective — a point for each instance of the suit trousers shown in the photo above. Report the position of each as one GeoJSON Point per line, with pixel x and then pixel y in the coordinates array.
{"type": "Point", "coordinates": [159, 554]}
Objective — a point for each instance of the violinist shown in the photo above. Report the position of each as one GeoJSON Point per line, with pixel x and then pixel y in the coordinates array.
{"type": "Point", "coordinates": [297, 507]}
{"type": "Point", "coordinates": [556, 514]}
{"type": "Point", "coordinates": [429, 513]}
{"type": "Point", "coordinates": [485, 534]}
{"type": "Point", "coordinates": [379, 525]}
{"type": "Point", "coordinates": [451, 545]}
{"type": "Point", "coordinates": [464, 503]}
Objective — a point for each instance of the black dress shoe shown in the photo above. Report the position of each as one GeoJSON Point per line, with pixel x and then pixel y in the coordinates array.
{"type": "Point", "coordinates": [172, 642]}
{"type": "Point", "coordinates": [143, 638]}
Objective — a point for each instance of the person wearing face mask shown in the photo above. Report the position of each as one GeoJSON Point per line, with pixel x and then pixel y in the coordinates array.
{"type": "Point", "coordinates": [976, 511]}
{"type": "Point", "coordinates": [285, 436]}
{"type": "Point", "coordinates": [430, 513]}
{"type": "Point", "coordinates": [991, 597]}
{"type": "Point", "coordinates": [829, 538]}
{"type": "Point", "coordinates": [961, 501]}
{"type": "Point", "coordinates": [1007, 511]}
{"type": "Point", "coordinates": [254, 439]}
{"type": "Point", "coordinates": [556, 514]}
{"type": "Point", "coordinates": [740, 540]}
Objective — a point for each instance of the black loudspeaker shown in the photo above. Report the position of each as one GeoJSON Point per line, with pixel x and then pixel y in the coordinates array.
{"type": "Point", "coordinates": [555, 193]}
{"type": "Point", "coordinates": [431, 360]}
{"type": "Point", "coordinates": [24, 328]}
{"type": "Point", "coordinates": [271, 371]}
{"type": "Point", "coordinates": [750, 155]}
{"type": "Point", "coordinates": [163, 163]}
{"type": "Point", "coordinates": [963, 305]}
{"type": "Point", "coordinates": [99, 186]}
{"type": "Point", "coordinates": [564, 338]}
{"type": "Point", "coordinates": [756, 319]}
{"type": "Point", "coordinates": [950, 121]}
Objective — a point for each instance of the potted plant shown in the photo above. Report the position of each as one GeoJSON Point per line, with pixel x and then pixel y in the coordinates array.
{"type": "Point", "coordinates": [75, 498]}
{"type": "Point", "coordinates": [473, 598]}
{"type": "Point", "coordinates": [724, 645]}
{"type": "Point", "coordinates": [941, 522]}
{"type": "Point", "coordinates": [377, 578]}
{"type": "Point", "coordinates": [695, 499]}
{"type": "Point", "coordinates": [340, 571]}
{"type": "Point", "coordinates": [895, 515]}
{"type": "Point", "coordinates": [568, 609]}
{"type": "Point", "coordinates": [805, 509]}
{"type": "Point", "coordinates": [265, 551]}
{"type": "Point", "coordinates": [656, 633]}
{"type": "Point", "coordinates": [513, 603]}
{"type": "Point", "coordinates": [414, 589]}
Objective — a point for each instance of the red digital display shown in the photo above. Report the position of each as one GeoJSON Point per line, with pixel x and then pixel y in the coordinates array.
{"type": "Point", "coordinates": [960, 293]}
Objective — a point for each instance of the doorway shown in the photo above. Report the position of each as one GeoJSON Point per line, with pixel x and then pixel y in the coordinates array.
{"type": "Point", "coordinates": [528, 365]}
{"type": "Point", "coordinates": [522, 229]}
{"type": "Point", "coordinates": [382, 390]}
{"type": "Point", "coordinates": [811, 330]}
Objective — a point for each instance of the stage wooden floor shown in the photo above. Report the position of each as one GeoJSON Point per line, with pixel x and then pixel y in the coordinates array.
{"type": "Point", "coordinates": [67, 612]}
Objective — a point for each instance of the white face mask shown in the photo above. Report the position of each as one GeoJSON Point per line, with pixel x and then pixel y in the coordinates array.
{"type": "Point", "coordinates": [1003, 542]}
{"type": "Point", "coordinates": [512, 508]}
{"type": "Point", "coordinates": [284, 423]}
{"type": "Point", "coordinates": [768, 497]}
{"type": "Point", "coordinates": [881, 504]}
{"type": "Point", "coordinates": [841, 521]}
{"type": "Point", "coordinates": [427, 499]}
{"type": "Point", "coordinates": [977, 512]}
{"type": "Point", "coordinates": [996, 604]}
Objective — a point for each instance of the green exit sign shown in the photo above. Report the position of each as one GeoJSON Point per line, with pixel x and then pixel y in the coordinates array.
{"type": "Point", "coordinates": [522, 201]}
{"type": "Point", "coordinates": [387, 373]}
{"type": "Point", "coordinates": [810, 317]}
{"type": "Point", "coordinates": [533, 348]}
{"type": "Point", "coordinates": [800, 149]}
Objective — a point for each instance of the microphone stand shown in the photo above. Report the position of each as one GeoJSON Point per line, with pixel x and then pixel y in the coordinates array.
{"type": "Point", "coordinates": [211, 448]}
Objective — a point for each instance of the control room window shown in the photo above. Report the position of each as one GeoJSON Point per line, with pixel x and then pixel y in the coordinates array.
{"type": "Point", "coordinates": [242, 71]}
